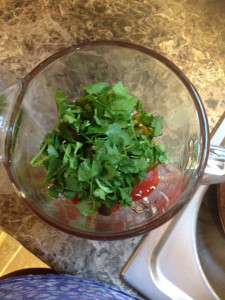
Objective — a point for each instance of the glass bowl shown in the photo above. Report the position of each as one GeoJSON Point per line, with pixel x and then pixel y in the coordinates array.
{"type": "Point", "coordinates": [164, 90]}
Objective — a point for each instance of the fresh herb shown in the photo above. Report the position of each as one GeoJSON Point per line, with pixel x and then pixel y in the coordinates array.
{"type": "Point", "coordinates": [99, 145]}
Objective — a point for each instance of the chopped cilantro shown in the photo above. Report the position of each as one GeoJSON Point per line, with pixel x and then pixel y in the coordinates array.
{"type": "Point", "coordinates": [99, 145]}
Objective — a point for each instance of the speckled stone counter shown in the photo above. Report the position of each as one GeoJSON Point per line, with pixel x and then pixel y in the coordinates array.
{"type": "Point", "coordinates": [189, 33]}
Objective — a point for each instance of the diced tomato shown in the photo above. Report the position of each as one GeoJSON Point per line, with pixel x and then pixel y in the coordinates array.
{"type": "Point", "coordinates": [146, 186]}
{"type": "Point", "coordinates": [118, 225]}
{"type": "Point", "coordinates": [115, 208]}
{"type": "Point", "coordinates": [72, 212]}
{"type": "Point", "coordinates": [62, 215]}
{"type": "Point", "coordinates": [75, 200]}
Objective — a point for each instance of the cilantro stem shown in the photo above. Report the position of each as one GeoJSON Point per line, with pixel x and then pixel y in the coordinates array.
{"type": "Point", "coordinates": [132, 126]}
{"type": "Point", "coordinates": [46, 142]}
{"type": "Point", "coordinates": [86, 137]}
{"type": "Point", "coordinates": [41, 151]}
{"type": "Point", "coordinates": [91, 188]}
{"type": "Point", "coordinates": [91, 193]}
{"type": "Point", "coordinates": [128, 147]}
{"type": "Point", "coordinates": [57, 121]}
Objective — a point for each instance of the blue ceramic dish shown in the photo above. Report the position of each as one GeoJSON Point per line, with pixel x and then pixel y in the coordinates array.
{"type": "Point", "coordinates": [58, 287]}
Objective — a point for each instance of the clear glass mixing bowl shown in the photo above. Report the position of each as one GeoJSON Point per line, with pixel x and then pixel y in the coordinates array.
{"type": "Point", "coordinates": [30, 112]}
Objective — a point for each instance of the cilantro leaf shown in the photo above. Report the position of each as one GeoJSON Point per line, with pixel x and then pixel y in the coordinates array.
{"type": "Point", "coordinates": [51, 151]}
{"type": "Point", "coordinates": [88, 208]}
{"type": "Point", "coordinates": [122, 101]}
{"type": "Point", "coordinates": [99, 193]}
{"type": "Point", "coordinates": [157, 125]}
{"type": "Point", "coordinates": [88, 170]}
{"type": "Point", "coordinates": [104, 188]}
{"type": "Point", "coordinates": [97, 88]}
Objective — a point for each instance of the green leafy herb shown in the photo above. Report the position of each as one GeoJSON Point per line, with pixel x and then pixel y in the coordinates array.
{"type": "Point", "coordinates": [99, 145]}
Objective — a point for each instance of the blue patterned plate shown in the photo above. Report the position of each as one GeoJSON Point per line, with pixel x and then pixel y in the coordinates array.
{"type": "Point", "coordinates": [55, 287]}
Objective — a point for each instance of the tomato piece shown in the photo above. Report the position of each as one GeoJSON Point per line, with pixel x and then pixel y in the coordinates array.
{"type": "Point", "coordinates": [61, 213]}
{"type": "Point", "coordinates": [115, 208]}
{"type": "Point", "coordinates": [72, 212]}
{"type": "Point", "coordinates": [75, 200]}
{"type": "Point", "coordinates": [146, 186]}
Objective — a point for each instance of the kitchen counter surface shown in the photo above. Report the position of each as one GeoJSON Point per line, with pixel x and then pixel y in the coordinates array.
{"type": "Point", "coordinates": [189, 33]}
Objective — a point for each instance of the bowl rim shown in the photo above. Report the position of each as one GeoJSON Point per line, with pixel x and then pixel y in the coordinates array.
{"type": "Point", "coordinates": [203, 127]}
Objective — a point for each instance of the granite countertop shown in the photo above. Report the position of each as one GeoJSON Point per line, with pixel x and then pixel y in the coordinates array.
{"type": "Point", "coordinates": [189, 33]}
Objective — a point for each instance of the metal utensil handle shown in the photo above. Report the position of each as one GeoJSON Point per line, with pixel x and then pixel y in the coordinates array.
{"type": "Point", "coordinates": [215, 169]}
